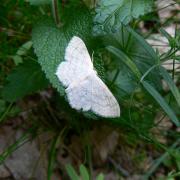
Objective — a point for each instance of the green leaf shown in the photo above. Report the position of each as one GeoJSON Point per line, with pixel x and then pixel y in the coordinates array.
{"type": "Point", "coordinates": [24, 79]}
{"type": "Point", "coordinates": [71, 172]}
{"type": "Point", "coordinates": [84, 173]}
{"type": "Point", "coordinates": [166, 34]}
{"type": "Point", "coordinates": [171, 84]}
{"type": "Point", "coordinates": [157, 162]}
{"type": "Point", "coordinates": [2, 106]}
{"type": "Point", "coordinates": [6, 113]}
{"type": "Point", "coordinates": [161, 102]}
{"type": "Point", "coordinates": [177, 57]}
{"type": "Point", "coordinates": [39, 2]}
{"type": "Point", "coordinates": [52, 156]}
{"type": "Point", "coordinates": [100, 177]}
{"type": "Point", "coordinates": [27, 136]}
{"type": "Point", "coordinates": [110, 14]}
{"type": "Point", "coordinates": [123, 84]}
{"type": "Point", "coordinates": [23, 50]}
{"type": "Point", "coordinates": [17, 59]}
{"type": "Point", "coordinates": [134, 47]}
{"type": "Point", "coordinates": [49, 42]}
{"type": "Point", "coordinates": [120, 54]}
{"type": "Point", "coordinates": [173, 41]}
{"type": "Point", "coordinates": [144, 45]}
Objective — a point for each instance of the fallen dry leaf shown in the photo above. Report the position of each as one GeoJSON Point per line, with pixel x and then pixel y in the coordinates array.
{"type": "Point", "coordinates": [105, 141]}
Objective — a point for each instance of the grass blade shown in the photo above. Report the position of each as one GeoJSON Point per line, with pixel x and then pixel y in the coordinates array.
{"type": "Point", "coordinates": [161, 102]}
{"type": "Point", "coordinates": [100, 177]}
{"type": "Point", "coordinates": [71, 172]}
{"type": "Point", "coordinates": [6, 113]}
{"type": "Point", "coordinates": [84, 173]}
{"type": "Point", "coordinates": [125, 59]}
{"type": "Point", "coordinates": [144, 44]}
{"type": "Point", "coordinates": [171, 84]}
{"type": "Point", "coordinates": [167, 35]}
{"type": "Point", "coordinates": [22, 140]}
{"type": "Point", "coordinates": [52, 154]}
{"type": "Point", "coordinates": [158, 161]}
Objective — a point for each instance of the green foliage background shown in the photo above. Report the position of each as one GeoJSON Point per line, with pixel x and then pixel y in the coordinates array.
{"type": "Point", "coordinates": [127, 64]}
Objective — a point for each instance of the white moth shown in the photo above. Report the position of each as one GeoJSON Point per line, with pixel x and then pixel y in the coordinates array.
{"type": "Point", "coordinates": [85, 90]}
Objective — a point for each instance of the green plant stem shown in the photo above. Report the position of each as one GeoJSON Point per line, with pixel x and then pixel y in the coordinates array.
{"type": "Point", "coordinates": [173, 71]}
{"type": "Point", "coordinates": [22, 140]}
{"type": "Point", "coordinates": [168, 56]}
{"type": "Point", "coordinates": [89, 154]}
{"type": "Point", "coordinates": [148, 71]}
{"type": "Point", "coordinates": [131, 102]}
{"type": "Point", "coordinates": [174, 175]}
{"type": "Point", "coordinates": [6, 112]}
{"type": "Point", "coordinates": [115, 77]}
{"type": "Point", "coordinates": [56, 12]}
{"type": "Point", "coordinates": [52, 156]}
{"type": "Point", "coordinates": [122, 35]}
{"type": "Point", "coordinates": [158, 161]}
{"type": "Point", "coordinates": [128, 41]}
{"type": "Point", "coordinates": [138, 85]}
{"type": "Point", "coordinates": [159, 121]}
{"type": "Point", "coordinates": [42, 152]}
{"type": "Point", "coordinates": [172, 4]}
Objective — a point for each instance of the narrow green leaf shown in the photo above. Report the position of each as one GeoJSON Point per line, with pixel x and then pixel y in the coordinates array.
{"type": "Point", "coordinates": [161, 102]}
{"type": "Point", "coordinates": [137, 51]}
{"type": "Point", "coordinates": [72, 173]}
{"type": "Point", "coordinates": [157, 162]}
{"type": "Point", "coordinates": [2, 107]}
{"type": "Point", "coordinates": [166, 34]}
{"type": "Point", "coordinates": [24, 48]}
{"type": "Point", "coordinates": [123, 82]}
{"type": "Point", "coordinates": [24, 79]}
{"type": "Point", "coordinates": [170, 83]}
{"type": "Point", "coordinates": [6, 112]}
{"type": "Point", "coordinates": [9, 150]}
{"type": "Point", "coordinates": [125, 59]}
{"type": "Point", "coordinates": [177, 57]}
{"type": "Point", "coordinates": [17, 59]}
{"type": "Point", "coordinates": [52, 156]}
{"type": "Point", "coordinates": [173, 41]}
{"type": "Point", "coordinates": [84, 172]}
{"type": "Point", "coordinates": [144, 44]}
{"type": "Point", "coordinates": [100, 177]}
